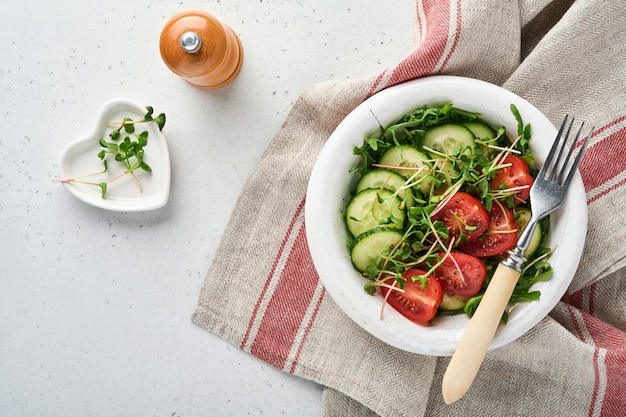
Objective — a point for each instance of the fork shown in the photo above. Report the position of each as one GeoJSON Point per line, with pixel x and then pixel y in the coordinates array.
{"type": "Point", "coordinates": [546, 195]}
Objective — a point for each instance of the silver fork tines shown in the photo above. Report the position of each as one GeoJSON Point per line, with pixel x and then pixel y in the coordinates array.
{"type": "Point", "coordinates": [550, 186]}
{"type": "Point", "coordinates": [557, 169]}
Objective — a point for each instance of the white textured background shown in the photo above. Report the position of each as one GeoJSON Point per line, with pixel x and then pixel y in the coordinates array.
{"type": "Point", "coordinates": [95, 306]}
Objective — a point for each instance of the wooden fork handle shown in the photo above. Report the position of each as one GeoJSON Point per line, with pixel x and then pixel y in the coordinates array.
{"type": "Point", "coordinates": [473, 346]}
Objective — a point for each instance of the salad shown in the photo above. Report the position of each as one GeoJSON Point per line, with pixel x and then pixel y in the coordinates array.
{"type": "Point", "coordinates": [440, 199]}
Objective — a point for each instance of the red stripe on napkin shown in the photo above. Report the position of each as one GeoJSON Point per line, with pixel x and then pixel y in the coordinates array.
{"type": "Point", "coordinates": [292, 368]}
{"type": "Point", "coordinates": [595, 167]}
{"type": "Point", "coordinates": [615, 363]}
{"type": "Point", "coordinates": [434, 20]}
{"type": "Point", "coordinates": [287, 307]}
{"type": "Point", "coordinates": [609, 125]}
{"type": "Point", "coordinates": [268, 280]}
{"type": "Point", "coordinates": [290, 301]}
{"type": "Point", "coordinates": [440, 24]}
{"type": "Point", "coordinates": [454, 38]}
{"type": "Point", "coordinates": [609, 356]}
{"type": "Point", "coordinates": [606, 191]}
{"type": "Point", "coordinates": [610, 367]}
{"type": "Point", "coordinates": [582, 299]}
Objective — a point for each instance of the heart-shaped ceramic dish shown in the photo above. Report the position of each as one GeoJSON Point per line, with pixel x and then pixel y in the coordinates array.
{"type": "Point", "coordinates": [80, 158]}
{"type": "Point", "coordinates": [329, 191]}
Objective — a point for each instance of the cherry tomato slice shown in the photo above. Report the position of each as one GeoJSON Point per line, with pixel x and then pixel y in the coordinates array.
{"type": "Point", "coordinates": [500, 237]}
{"type": "Point", "coordinates": [463, 215]}
{"type": "Point", "coordinates": [461, 274]}
{"type": "Point", "coordinates": [416, 303]}
{"type": "Point", "coordinates": [517, 174]}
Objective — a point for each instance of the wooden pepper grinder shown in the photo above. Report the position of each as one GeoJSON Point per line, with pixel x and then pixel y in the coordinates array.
{"type": "Point", "coordinates": [201, 49]}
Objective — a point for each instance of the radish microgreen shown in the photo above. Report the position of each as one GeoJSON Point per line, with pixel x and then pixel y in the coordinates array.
{"type": "Point", "coordinates": [126, 146]}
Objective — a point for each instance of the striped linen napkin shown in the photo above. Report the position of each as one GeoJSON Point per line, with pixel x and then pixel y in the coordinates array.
{"type": "Point", "coordinates": [262, 292]}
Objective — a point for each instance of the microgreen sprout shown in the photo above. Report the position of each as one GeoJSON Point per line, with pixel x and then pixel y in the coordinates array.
{"type": "Point", "coordinates": [126, 146]}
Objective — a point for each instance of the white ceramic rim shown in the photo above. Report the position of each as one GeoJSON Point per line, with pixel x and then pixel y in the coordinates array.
{"type": "Point", "coordinates": [122, 196]}
{"type": "Point", "coordinates": [328, 193]}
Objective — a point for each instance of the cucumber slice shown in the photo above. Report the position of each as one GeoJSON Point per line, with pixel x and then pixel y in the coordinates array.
{"type": "Point", "coordinates": [452, 302]}
{"type": "Point", "coordinates": [407, 156]}
{"type": "Point", "coordinates": [450, 139]}
{"type": "Point", "coordinates": [523, 217]}
{"type": "Point", "coordinates": [372, 208]}
{"type": "Point", "coordinates": [384, 178]}
{"type": "Point", "coordinates": [483, 133]}
{"type": "Point", "coordinates": [370, 245]}
{"type": "Point", "coordinates": [480, 130]}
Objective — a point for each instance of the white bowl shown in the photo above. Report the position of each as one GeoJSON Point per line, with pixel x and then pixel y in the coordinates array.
{"type": "Point", "coordinates": [80, 158]}
{"type": "Point", "coordinates": [329, 191]}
